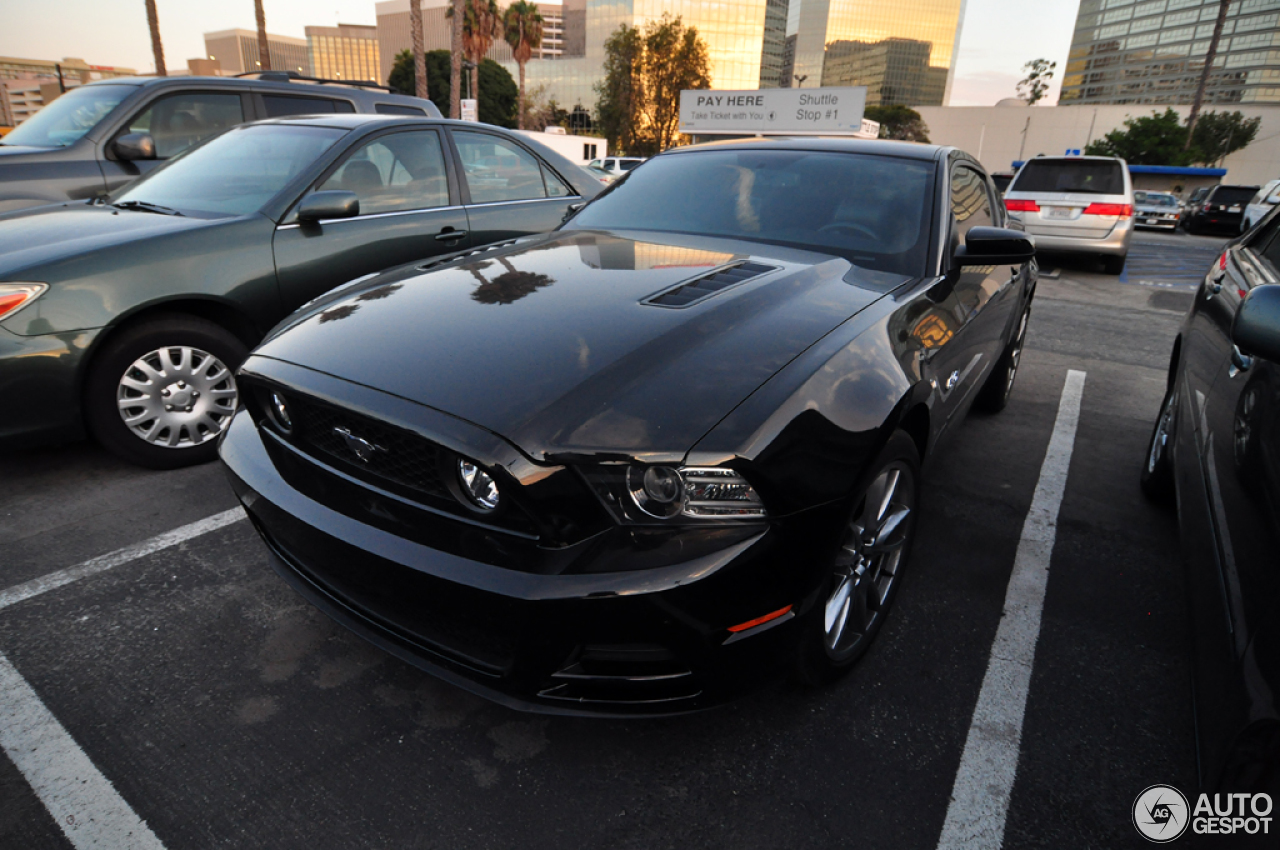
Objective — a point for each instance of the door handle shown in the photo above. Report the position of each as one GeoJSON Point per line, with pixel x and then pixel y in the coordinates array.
{"type": "Point", "coordinates": [447, 235]}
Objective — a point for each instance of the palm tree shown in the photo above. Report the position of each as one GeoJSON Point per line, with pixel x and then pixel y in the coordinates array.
{"type": "Point", "coordinates": [522, 29]}
{"type": "Point", "coordinates": [419, 48]}
{"type": "Point", "coordinates": [1204, 75]}
{"type": "Point", "coordinates": [157, 49]}
{"type": "Point", "coordinates": [481, 23]}
{"type": "Point", "coordinates": [264, 55]}
{"type": "Point", "coordinates": [457, 11]}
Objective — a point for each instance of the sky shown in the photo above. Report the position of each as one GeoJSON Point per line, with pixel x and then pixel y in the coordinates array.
{"type": "Point", "coordinates": [997, 38]}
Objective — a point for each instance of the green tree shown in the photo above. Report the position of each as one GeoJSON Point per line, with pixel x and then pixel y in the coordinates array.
{"type": "Point", "coordinates": [899, 122]}
{"type": "Point", "coordinates": [497, 89]}
{"type": "Point", "coordinates": [1158, 139]}
{"type": "Point", "coordinates": [621, 92]}
{"type": "Point", "coordinates": [481, 25]}
{"type": "Point", "coordinates": [1035, 84]}
{"type": "Point", "coordinates": [645, 71]}
{"type": "Point", "coordinates": [1218, 134]}
{"type": "Point", "coordinates": [522, 29]}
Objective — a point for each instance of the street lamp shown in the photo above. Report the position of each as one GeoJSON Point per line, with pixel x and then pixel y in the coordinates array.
{"type": "Point", "coordinates": [467, 65]}
{"type": "Point", "coordinates": [800, 78]}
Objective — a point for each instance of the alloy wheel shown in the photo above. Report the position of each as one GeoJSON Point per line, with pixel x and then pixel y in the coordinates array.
{"type": "Point", "coordinates": [1160, 439]}
{"type": "Point", "coordinates": [866, 568]}
{"type": "Point", "coordinates": [177, 397]}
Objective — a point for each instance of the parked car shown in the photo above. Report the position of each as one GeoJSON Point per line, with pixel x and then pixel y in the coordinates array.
{"type": "Point", "coordinates": [599, 174]}
{"type": "Point", "coordinates": [1195, 200]}
{"type": "Point", "coordinates": [81, 145]}
{"type": "Point", "coordinates": [1216, 446]}
{"type": "Point", "coordinates": [1002, 179]}
{"type": "Point", "coordinates": [128, 316]}
{"type": "Point", "coordinates": [1221, 209]}
{"type": "Point", "coordinates": [1268, 196]}
{"type": "Point", "coordinates": [1156, 209]}
{"type": "Point", "coordinates": [1076, 204]}
{"type": "Point", "coordinates": [655, 458]}
{"type": "Point", "coordinates": [617, 165]}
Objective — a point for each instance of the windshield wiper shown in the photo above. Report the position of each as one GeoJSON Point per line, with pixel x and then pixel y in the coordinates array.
{"type": "Point", "coordinates": [146, 206]}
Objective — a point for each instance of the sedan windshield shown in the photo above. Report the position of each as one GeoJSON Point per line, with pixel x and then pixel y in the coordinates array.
{"type": "Point", "coordinates": [872, 210]}
{"type": "Point", "coordinates": [236, 173]}
{"type": "Point", "coordinates": [68, 118]}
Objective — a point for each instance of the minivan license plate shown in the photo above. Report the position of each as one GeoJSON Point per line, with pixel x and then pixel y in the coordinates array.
{"type": "Point", "coordinates": [1058, 212]}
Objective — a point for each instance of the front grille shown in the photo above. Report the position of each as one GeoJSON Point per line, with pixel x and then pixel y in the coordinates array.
{"type": "Point", "coordinates": [394, 456]}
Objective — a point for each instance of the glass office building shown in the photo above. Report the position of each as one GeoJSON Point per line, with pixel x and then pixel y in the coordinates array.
{"type": "Point", "coordinates": [344, 52]}
{"type": "Point", "coordinates": [900, 49]}
{"type": "Point", "coordinates": [1153, 52]}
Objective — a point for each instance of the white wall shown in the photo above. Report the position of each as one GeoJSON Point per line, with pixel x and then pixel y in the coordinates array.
{"type": "Point", "coordinates": [569, 147]}
{"type": "Point", "coordinates": [993, 134]}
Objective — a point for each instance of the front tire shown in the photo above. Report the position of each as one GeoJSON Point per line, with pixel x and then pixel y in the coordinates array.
{"type": "Point", "coordinates": [162, 391]}
{"type": "Point", "coordinates": [864, 575]}
{"type": "Point", "coordinates": [1157, 473]}
{"type": "Point", "coordinates": [994, 395]}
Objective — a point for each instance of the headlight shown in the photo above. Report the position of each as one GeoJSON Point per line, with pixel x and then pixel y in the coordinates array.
{"type": "Point", "coordinates": [15, 296]}
{"type": "Point", "coordinates": [478, 486]}
{"type": "Point", "coordinates": [696, 492]}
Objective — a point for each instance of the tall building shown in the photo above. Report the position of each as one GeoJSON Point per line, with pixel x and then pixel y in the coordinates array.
{"type": "Point", "coordinates": [344, 52]}
{"type": "Point", "coordinates": [901, 50]}
{"type": "Point", "coordinates": [237, 52]}
{"type": "Point", "coordinates": [1153, 51]}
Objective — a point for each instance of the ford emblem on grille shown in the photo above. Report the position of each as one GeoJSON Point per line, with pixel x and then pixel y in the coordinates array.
{"type": "Point", "coordinates": [360, 447]}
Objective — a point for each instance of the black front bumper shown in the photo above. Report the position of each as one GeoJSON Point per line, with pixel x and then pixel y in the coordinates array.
{"type": "Point", "coordinates": [635, 643]}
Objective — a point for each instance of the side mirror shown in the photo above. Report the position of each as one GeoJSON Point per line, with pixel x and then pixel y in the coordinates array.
{"type": "Point", "coordinates": [572, 210]}
{"type": "Point", "coordinates": [331, 204]}
{"type": "Point", "coordinates": [132, 146]}
{"type": "Point", "coordinates": [995, 246]}
{"type": "Point", "coordinates": [1256, 330]}
{"type": "Point", "coordinates": [1274, 199]}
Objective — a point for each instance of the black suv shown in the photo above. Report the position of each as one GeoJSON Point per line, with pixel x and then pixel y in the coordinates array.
{"type": "Point", "coordinates": [1221, 209]}
{"type": "Point", "coordinates": [98, 137]}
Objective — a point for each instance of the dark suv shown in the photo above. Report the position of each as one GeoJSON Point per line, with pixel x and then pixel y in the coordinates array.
{"type": "Point", "coordinates": [98, 137]}
{"type": "Point", "coordinates": [1221, 209]}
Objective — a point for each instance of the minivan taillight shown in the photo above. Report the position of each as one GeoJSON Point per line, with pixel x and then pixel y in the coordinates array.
{"type": "Point", "coordinates": [1122, 210]}
{"type": "Point", "coordinates": [1021, 206]}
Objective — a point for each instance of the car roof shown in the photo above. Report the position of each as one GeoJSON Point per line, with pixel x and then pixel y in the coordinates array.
{"type": "Point", "coordinates": [295, 86]}
{"type": "Point", "coordinates": [879, 147]}
{"type": "Point", "coordinates": [354, 120]}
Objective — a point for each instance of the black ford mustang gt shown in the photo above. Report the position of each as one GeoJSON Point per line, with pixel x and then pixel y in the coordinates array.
{"type": "Point", "coordinates": [645, 462]}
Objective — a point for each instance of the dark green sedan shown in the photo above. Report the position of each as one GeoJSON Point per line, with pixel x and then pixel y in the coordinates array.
{"type": "Point", "coordinates": [127, 318]}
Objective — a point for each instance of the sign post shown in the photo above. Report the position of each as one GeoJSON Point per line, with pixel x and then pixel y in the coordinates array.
{"type": "Point", "coordinates": [813, 112]}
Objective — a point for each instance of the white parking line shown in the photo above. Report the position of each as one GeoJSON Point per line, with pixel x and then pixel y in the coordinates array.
{"type": "Point", "coordinates": [980, 797]}
{"type": "Point", "coordinates": [102, 563]}
{"type": "Point", "coordinates": [82, 800]}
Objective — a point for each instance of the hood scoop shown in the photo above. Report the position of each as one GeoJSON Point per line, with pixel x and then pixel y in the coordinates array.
{"type": "Point", "coordinates": [701, 288]}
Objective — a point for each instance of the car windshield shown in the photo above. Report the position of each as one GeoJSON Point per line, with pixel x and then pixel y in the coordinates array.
{"type": "Point", "coordinates": [872, 210]}
{"type": "Point", "coordinates": [68, 118]}
{"type": "Point", "coordinates": [236, 173]}
{"type": "Point", "coordinates": [1078, 176]}
{"type": "Point", "coordinates": [1153, 199]}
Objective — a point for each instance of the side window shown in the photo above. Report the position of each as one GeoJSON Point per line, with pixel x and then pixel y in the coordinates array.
{"type": "Point", "coordinates": [556, 188]}
{"type": "Point", "coordinates": [397, 109]}
{"type": "Point", "coordinates": [969, 200]}
{"type": "Point", "coordinates": [498, 170]}
{"type": "Point", "coordinates": [1266, 244]}
{"type": "Point", "coordinates": [280, 105]}
{"type": "Point", "coordinates": [179, 121]}
{"type": "Point", "coordinates": [400, 171]}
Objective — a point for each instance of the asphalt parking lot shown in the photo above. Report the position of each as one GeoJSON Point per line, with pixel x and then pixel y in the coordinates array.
{"type": "Point", "coordinates": [226, 712]}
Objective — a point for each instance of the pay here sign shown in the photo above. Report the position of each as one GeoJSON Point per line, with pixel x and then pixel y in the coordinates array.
{"type": "Point", "coordinates": [828, 111]}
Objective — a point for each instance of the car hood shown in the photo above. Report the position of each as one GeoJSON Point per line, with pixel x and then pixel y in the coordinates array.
{"type": "Point", "coordinates": [43, 235]}
{"type": "Point", "coordinates": [550, 343]}
{"type": "Point", "coordinates": [18, 150]}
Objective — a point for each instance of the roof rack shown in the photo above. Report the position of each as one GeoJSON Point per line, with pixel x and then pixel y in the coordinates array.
{"type": "Point", "coordinates": [294, 76]}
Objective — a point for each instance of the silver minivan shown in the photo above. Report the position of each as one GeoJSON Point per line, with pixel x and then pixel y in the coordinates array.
{"type": "Point", "coordinates": [1075, 204]}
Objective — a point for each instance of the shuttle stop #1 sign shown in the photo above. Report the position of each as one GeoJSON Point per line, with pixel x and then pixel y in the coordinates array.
{"type": "Point", "coordinates": [823, 111]}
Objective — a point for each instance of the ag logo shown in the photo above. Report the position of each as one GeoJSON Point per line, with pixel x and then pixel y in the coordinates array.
{"type": "Point", "coordinates": [1160, 813]}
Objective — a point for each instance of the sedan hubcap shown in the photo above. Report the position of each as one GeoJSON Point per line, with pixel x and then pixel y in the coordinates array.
{"type": "Point", "coordinates": [177, 397]}
{"type": "Point", "coordinates": [1161, 437]}
{"type": "Point", "coordinates": [867, 565]}
{"type": "Point", "coordinates": [1015, 353]}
